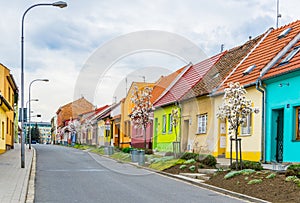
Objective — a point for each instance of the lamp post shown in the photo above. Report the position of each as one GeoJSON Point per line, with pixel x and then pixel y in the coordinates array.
{"type": "Point", "coordinates": [28, 116]}
{"type": "Point", "coordinates": [29, 106]}
{"type": "Point", "coordinates": [60, 4]}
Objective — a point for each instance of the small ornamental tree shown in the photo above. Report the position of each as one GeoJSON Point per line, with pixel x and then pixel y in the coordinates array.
{"type": "Point", "coordinates": [141, 109]}
{"type": "Point", "coordinates": [175, 120]}
{"type": "Point", "coordinates": [235, 108]}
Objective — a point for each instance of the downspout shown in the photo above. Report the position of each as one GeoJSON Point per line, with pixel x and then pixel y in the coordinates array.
{"type": "Point", "coordinates": [263, 90]}
{"type": "Point", "coordinates": [178, 104]}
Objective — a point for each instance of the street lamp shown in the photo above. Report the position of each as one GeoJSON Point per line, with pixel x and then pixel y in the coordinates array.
{"type": "Point", "coordinates": [60, 4]}
{"type": "Point", "coordinates": [28, 116]}
{"type": "Point", "coordinates": [36, 80]}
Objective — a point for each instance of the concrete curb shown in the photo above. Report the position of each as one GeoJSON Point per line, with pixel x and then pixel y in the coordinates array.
{"type": "Point", "coordinates": [31, 181]}
{"type": "Point", "coordinates": [195, 182]}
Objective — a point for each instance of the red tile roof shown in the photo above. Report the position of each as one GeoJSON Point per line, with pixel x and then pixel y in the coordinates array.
{"type": "Point", "coordinates": [262, 55]}
{"type": "Point", "coordinates": [163, 83]}
{"type": "Point", "coordinates": [220, 70]}
{"type": "Point", "coordinates": [185, 81]}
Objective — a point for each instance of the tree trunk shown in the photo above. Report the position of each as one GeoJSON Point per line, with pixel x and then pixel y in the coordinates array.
{"type": "Point", "coordinates": [236, 149]}
{"type": "Point", "coordinates": [144, 131]}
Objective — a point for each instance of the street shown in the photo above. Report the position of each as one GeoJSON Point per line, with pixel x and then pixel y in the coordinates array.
{"type": "Point", "coordinates": [70, 175]}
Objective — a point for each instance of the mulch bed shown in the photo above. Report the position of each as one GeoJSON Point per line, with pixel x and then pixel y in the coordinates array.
{"type": "Point", "coordinates": [176, 170]}
{"type": "Point", "coordinates": [274, 190]}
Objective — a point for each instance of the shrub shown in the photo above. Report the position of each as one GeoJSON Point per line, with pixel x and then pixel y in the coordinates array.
{"type": "Point", "coordinates": [182, 167]}
{"type": "Point", "coordinates": [208, 160]}
{"type": "Point", "coordinates": [293, 170]}
{"type": "Point", "coordinates": [271, 176]}
{"type": "Point", "coordinates": [200, 165]}
{"type": "Point", "coordinates": [248, 165]}
{"type": "Point", "coordinates": [255, 181]}
{"type": "Point", "coordinates": [291, 178]}
{"type": "Point", "coordinates": [192, 168]}
{"type": "Point", "coordinates": [242, 172]}
{"type": "Point", "coordinates": [127, 149]}
{"type": "Point", "coordinates": [190, 161]}
{"type": "Point", "coordinates": [148, 151]}
{"type": "Point", "coordinates": [190, 155]}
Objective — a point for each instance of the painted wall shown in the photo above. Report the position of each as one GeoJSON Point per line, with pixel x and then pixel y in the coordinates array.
{"type": "Point", "coordinates": [192, 140]}
{"type": "Point", "coordinates": [251, 144]}
{"type": "Point", "coordinates": [7, 92]}
{"type": "Point", "coordinates": [164, 141]}
{"type": "Point", "coordinates": [2, 131]}
{"type": "Point", "coordinates": [283, 93]}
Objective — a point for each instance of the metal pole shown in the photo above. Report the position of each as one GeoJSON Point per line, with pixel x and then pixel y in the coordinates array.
{"type": "Point", "coordinates": [61, 5]}
{"type": "Point", "coordinates": [29, 107]}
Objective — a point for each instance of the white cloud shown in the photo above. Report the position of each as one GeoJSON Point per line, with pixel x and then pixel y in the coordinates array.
{"type": "Point", "coordinates": [58, 42]}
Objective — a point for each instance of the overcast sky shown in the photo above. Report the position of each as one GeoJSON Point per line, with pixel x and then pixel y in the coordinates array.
{"type": "Point", "coordinates": [113, 39]}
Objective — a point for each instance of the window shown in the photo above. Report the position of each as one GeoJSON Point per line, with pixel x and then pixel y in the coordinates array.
{"type": "Point", "coordinates": [9, 94]}
{"type": "Point", "coordinates": [297, 123]}
{"type": "Point", "coordinates": [164, 122]}
{"type": "Point", "coordinates": [170, 119]}
{"type": "Point", "coordinates": [7, 126]}
{"type": "Point", "coordinates": [202, 123]}
{"type": "Point", "coordinates": [246, 126]}
{"type": "Point", "coordinates": [2, 130]}
{"type": "Point", "coordinates": [290, 55]}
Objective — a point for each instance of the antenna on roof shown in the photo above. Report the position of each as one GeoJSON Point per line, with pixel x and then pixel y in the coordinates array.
{"type": "Point", "coordinates": [222, 47]}
{"type": "Point", "coordinates": [278, 14]}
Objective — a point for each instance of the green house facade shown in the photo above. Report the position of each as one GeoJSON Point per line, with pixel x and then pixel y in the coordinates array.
{"type": "Point", "coordinates": [165, 134]}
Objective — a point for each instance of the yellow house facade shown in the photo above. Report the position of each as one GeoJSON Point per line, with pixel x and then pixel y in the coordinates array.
{"type": "Point", "coordinates": [202, 132]}
{"type": "Point", "coordinates": [197, 125]}
{"type": "Point", "coordinates": [8, 93]}
{"type": "Point", "coordinates": [251, 134]}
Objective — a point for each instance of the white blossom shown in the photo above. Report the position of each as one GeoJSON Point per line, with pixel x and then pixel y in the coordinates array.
{"type": "Point", "coordinates": [235, 107]}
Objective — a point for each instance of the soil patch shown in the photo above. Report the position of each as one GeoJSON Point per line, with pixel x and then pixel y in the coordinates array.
{"type": "Point", "coordinates": [176, 169]}
{"type": "Point", "coordinates": [273, 189]}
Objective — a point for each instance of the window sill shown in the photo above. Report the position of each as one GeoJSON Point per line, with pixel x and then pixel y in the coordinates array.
{"type": "Point", "coordinates": [200, 133]}
{"type": "Point", "coordinates": [296, 140]}
{"type": "Point", "coordinates": [245, 135]}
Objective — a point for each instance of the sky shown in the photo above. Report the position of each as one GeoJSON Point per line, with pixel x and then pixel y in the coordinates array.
{"type": "Point", "coordinates": [96, 48]}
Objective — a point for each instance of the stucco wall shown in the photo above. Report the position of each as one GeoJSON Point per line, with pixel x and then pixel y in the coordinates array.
{"type": "Point", "coordinates": [283, 93]}
{"type": "Point", "coordinates": [164, 141]}
{"type": "Point", "coordinates": [191, 139]}
{"type": "Point", "coordinates": [251, 144]}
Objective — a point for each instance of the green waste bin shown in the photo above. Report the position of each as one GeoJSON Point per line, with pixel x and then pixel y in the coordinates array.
{"type": "Point", "coordinates": [134, 155]}
{"type": "Point", "coordinates": [141, 155]}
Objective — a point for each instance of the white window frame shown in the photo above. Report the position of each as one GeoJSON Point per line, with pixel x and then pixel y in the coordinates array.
{"type": "Point", "coordinates": [247, 126]}
{"type": "Point", "coordinates": [164, 124]}
{"type": "Point", "coordinates": [170, 118]}
{"type": "Point", "coordinates": [201, 123]}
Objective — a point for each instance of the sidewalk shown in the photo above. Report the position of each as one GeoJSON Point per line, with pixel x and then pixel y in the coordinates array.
{"type": "Point", "coordinates": [14, 179]}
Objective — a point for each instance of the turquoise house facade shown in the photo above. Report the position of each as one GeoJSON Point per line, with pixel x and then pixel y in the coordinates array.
{"type": "Point", "coordinates": [282, 140]}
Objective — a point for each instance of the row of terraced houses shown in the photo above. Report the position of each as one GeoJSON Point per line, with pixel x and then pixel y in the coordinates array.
{"type": "Point", "coordinates": [268, 66]}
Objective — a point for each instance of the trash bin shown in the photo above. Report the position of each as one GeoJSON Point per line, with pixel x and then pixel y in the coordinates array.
{"type": "Point", "coordinates": [110, 150]}
{"type": "Point", "coordinates": [141, 155]}
{"type": "Point", "coordinates": [134, 155]}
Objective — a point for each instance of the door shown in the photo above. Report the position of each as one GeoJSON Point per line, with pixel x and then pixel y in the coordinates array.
{"type": "Point", "coordinates": [277, 135]}
{"type": "Point", "coordinates": [222, 138]}
{"type": "Point", "coordinates": [185, 136]}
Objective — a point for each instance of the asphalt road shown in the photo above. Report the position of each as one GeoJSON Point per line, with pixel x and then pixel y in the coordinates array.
{"type": "Point", "coordinates": [70, 175]}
